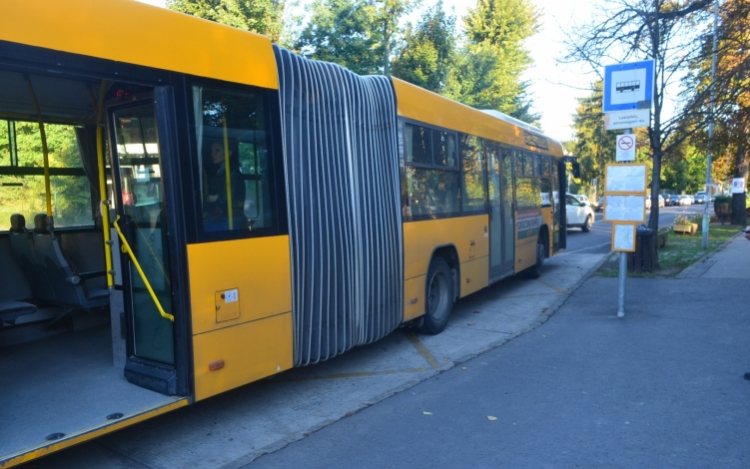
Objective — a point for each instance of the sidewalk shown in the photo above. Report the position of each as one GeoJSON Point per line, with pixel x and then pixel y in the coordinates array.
{"type": "Point", "coordinates": [731, 261]}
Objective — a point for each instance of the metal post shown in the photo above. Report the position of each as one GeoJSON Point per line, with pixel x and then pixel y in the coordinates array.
{"type": "Point", "coordinates": [623, 274]}
{"type": "Point", "coordinates": [704, 240]}
{"type": "Point", "coordinates": [621, 294]}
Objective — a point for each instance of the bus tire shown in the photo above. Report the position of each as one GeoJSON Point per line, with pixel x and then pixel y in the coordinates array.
{"type": "Point", "coordinates": [438, 297]}
{"type": "Point", "coordinates": [535, 271]}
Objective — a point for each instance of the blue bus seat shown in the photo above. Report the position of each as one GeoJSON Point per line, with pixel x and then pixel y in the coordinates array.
{"type": "Point", "coordinates": [22, 247]}
{"type": "Point", "coordinates": [69, 285]}
{"type": "Point", "coordinates": [10, 310]}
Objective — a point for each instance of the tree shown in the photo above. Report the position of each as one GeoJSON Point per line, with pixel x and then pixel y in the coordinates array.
{"type": "Point", "coordinates": [732, 90]}
{"type": "Point", "coordinates": [429, 50]}
{"type": "Point", "coordinates": [594, 146]}
{"type": "Point", "coordinates": [663, 30]}
{"type": "Point", "coordinates": [490, 66]}
{"type": "Point", "coordinates": [257, 16]}
{"type": "Point", "coordinates": [359, 35]}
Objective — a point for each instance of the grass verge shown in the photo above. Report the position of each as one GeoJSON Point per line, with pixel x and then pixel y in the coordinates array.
{"type": "Point", "coordinates": [679, 253]}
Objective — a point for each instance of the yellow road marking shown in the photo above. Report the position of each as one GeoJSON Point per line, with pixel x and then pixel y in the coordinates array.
{"type": "Point", "coordinates": [426, 354]}
{"type": "Point", "coordinates": [557, 289]}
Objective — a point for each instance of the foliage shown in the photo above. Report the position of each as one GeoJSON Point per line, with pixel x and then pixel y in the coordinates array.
{"type": "Point", "coordinates": [429, 50]}
{"type": "Point", "coordinates": [594, 146]}
{"type": "Point", "coordinates": [731, 140]}
{"type": "Point", "coordinates": [489, 67]}
{"type": "Point", "coordinates": [257, 16]}
{"type": "Point", "coordinates": [682, 219]}
{"type": "Point", "coordinates": [71, 197]}
{"type": "Point", "coordinates": [359, 35]}
{"type": "Point", "coordinates": [684, 169]}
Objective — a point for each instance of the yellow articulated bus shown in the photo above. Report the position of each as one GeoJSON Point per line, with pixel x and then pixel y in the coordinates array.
{"type": "Point", "coordinates": [186, 208]}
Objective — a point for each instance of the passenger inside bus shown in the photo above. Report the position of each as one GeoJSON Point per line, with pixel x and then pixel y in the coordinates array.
{"type": "Point", "coordinates": [219, 202]}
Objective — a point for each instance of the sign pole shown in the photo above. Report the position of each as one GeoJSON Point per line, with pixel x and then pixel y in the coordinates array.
{"type": "Point", "coordinates": [706, 208]}
{"type": "Point", "coordinates": [623, 274]}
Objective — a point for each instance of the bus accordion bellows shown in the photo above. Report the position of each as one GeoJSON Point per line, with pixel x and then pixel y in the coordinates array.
{"type": "Point", "coordinates": [186, 208]}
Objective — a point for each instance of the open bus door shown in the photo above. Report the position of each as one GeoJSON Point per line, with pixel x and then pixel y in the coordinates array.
{"type": "Point", "coordinates": [61, 382]}
{"type": "Point", "coordinates": [141, 223]}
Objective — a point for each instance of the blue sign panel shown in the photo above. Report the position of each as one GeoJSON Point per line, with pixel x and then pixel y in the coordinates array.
{"type": "Point", "coordinates": [628, 86]}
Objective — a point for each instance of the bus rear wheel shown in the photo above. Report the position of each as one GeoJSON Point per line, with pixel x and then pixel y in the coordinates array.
{"type": "Point", "coordinates": [535, 271]}
{"type": "Point", "coordinates": [438, 297]}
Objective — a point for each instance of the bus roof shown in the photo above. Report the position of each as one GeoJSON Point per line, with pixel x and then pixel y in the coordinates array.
{"type": "Point", "coordinates": [136, 33]}
{"type": "Point", "coordinates": [431, 108]}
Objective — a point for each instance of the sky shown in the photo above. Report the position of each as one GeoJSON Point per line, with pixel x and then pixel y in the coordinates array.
{"type": "Point", "coordinates": [553, 87]}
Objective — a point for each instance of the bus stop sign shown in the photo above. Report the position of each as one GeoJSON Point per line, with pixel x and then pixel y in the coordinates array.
{"type": "Point", "coordinates": [628, 86]}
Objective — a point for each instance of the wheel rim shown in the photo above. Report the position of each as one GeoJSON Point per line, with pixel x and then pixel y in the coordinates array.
{"type": "Point", "coordinates": [588, 223]}
{"type": "Point", "coordinates": [437, 295]}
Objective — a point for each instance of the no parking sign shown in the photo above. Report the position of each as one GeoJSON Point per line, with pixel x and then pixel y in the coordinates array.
{"type": "Point", "coordinates": [625, 150]}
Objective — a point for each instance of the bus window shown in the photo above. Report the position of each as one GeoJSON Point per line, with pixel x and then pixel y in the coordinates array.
{"type": "Point", "coordinates": [528, 194]}
{"type": "Point", "coordinates": [528, 165]}
{"type": "Point", "coordinates": [432, 193]}
{"type": "Point", "coordinates": [418, 144]}
{"type": "Point", "coordinates": [22, 188]}
{"type": "Point", "coordinates": [546, 166]}
{"type": "Point", "coordinates": [473, 172]}
{"type": "Point", "coordinates": [231, 131]}
{"type": "Point", "coordinates": [444, 148]}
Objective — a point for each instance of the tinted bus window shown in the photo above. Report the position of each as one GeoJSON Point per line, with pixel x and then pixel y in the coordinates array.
{"type": "Point", "coordinates": [444, 148]}
{"type": "Point", "coordinates": [417, 144]}
{"type": "Point", "coordinates": [232, 132]}
{"type": "Point", "coordinates": [432, 192]}
{"type": "Point", "coordinates": [473, 172]}
{"type": "Point", "coordinates": [528, 194]}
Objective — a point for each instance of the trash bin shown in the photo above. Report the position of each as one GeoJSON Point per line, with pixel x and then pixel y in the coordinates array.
{"type": "Point", "coordinates": [642, 260]}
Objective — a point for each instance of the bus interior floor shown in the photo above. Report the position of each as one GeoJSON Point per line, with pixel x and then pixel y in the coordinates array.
{"type": "Point", "coordinates": [63, 384]}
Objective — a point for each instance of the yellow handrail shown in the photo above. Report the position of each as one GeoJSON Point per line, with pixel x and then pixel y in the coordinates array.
{"type": "Point", "coordinates": [126, 245]}
{"type": "Point", "coordinates": [227, 176]}
{"type": "Point", "coordinates": [104, 205]}
{"type": "Point", "coordinates": [45, 150]}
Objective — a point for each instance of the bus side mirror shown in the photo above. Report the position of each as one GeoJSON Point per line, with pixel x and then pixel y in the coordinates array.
{"type": "Point", "coordinates": [576, 170]}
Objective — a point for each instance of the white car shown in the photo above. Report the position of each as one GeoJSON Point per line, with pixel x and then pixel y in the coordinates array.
{"type": "Point", "coordinates": [581, 198]}
{"type": "Point", "coordinates": [579, 214]}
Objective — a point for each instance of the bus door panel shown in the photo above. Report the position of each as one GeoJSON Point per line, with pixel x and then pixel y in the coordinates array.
{"type": "Point", "coordinates": [509, 215]}
{"type": "Point", "coordinates": [562, 189]}
{"type": "Point", "coordinates": [502, 224]}
{"type": "Point", "coordinates": [142, 210]}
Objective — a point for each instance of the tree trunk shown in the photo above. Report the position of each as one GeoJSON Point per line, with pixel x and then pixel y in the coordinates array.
{"type": "Point", "coordinates": [741, 158]}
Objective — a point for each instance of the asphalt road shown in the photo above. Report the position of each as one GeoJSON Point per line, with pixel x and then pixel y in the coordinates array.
{"type": "Point", "coordinates": [599, 239]}
{"type": "Point", "coordinates": [662, 388]}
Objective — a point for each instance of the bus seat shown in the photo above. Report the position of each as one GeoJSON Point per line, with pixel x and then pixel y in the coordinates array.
{"type": "Point", "coordinates": [22, 247]}
{"type": "Point", "coordinates": [69, 285]}
{"type": "Point", "coordinates": [11, 310]}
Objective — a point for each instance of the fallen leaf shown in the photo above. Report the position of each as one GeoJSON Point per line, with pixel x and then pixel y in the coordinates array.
{"type": "Point", "coordinates": [471, 324]}
{"type": "Point", "coordinates": [463, 367]}
{"type": "Point", "coordinates": [489, 417]}
{"type": "Point", "coordinates": [476, 312]}
{"type": "Point", "coordinates": [427, 413]}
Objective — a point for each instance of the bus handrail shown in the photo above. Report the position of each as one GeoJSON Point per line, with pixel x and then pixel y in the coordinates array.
{"type": "Point", "coordinates": [129, 251]}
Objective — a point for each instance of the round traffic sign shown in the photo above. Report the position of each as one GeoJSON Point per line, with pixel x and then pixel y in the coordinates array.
{"type": "Point", "coordinates": [625, 142]}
